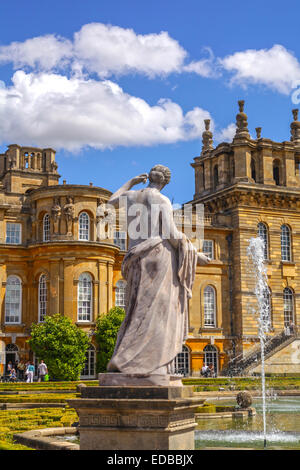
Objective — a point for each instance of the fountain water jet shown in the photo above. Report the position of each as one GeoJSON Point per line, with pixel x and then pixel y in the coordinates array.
{"type": "Point", "coordinates": [255, 252]}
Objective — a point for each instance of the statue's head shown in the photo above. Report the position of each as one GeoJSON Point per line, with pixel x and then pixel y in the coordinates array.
{"type": "Point", "coordinates": [160, 175]}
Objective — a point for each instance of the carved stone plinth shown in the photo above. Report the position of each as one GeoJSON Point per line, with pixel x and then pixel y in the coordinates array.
{"type": "Point", "coordinates": [129, 380]}
{"type": "Point", "coordinates": [136, 418]}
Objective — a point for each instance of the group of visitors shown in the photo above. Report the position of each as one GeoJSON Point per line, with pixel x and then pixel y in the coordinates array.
{"type": "Point", "coordinates": [208, 370]}
{"type": "Point", "coordinates": [22, 371]}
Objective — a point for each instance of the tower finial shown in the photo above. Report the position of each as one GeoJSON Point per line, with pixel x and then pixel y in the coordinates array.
{"type": "Point", "coordinates": [242, 122]}
{"type": "Point", "coordinates": [295, 114]}
{"type": "Point", "coordinates": [295, 128]}
{"type": "Point", "coordinates": [241, 104]}
{"type": "Point", "coordinates": [207, 135]}
{"type": "Point", "coordinates": [258, 132]}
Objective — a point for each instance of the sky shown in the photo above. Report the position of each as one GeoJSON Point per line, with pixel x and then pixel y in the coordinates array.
{"type": "Point", "coordinates": [117, 87]}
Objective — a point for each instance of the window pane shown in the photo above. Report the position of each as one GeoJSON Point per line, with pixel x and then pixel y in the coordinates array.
{"type": "Point", "coordinates": [285, 243]}
{"type": "Point", "coordinates": [120, 240]}
{"type": "Point", "coordinates": [211, 357]}
{"type": "Point", "coordinates": [84, 297]}
{"type": "Point", "coordinates": [42, 298]}
{"type": "Point", "coordinates": [13, 298]}
{"type": "Point", "coordinates": [84, 226]}
{"type": "Point", "coordinates": [209, 306]}
{"type": "Point", "coordinates": [208, 248]}
{"type": "Point", "coordinates": [46, 228]}
{"type": "Point", "coordinates": [120, 294]}
{"type": "Point", "coordinates": [182, 362]}
{"type": "Point", "coordinates": [89, 369]}
{"type": "Point", "coordinates": [288, 306]}
{"type": "Point", "coordinates": [13, 233]}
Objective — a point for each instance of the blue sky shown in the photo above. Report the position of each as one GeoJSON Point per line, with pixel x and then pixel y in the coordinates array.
{"type": "Point", "coordinates": [119, 86]}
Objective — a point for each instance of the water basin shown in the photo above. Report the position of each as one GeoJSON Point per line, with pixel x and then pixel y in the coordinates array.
{"type": "Point", "coordinates": [283, 427]}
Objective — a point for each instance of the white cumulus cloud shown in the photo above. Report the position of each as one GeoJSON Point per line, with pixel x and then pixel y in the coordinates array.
{"type": "Point", "coordinates": [48, 109]}
{"type": "Point", "coordinates": [226, 134]}
{"type": "Point", "coordinates": [277, 68]}
{"type": "Point", "coordinates": [42, 52]}
{"type": "Point", "coordinates": [106, 50]}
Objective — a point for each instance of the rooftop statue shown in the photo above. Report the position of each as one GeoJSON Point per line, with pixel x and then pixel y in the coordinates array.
{"type": "Point", "coordinates": [159, 268]}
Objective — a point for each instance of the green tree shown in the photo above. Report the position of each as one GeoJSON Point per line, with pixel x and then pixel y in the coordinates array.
{"type": "Point", "coordinates": [62, 345]}
{"type": "Point", "coordinates": [107, 327]}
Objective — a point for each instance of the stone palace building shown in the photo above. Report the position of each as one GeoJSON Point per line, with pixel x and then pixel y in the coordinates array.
{"type": "Point", "coordinates": [51, 259]}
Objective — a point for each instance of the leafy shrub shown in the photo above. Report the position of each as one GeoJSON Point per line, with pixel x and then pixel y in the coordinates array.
{"type": "Point", "coordinates": [61, 344]}
{"type": "Point", "coordinates": [107, 327]}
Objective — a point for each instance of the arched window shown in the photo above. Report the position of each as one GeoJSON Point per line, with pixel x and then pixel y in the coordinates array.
{"type": "Point", "coordinates": [89, 370]}
{"type": "Point", "coordinates": [120, 293]}
{"type": "Point", "coordinates": [43, 297]}
{"type": "Point", "coordinates": [13, 300]}
{"type": "Point", "coordinates": [85, 310]}
{"type": "Point", "coordinates": [211, 357]}
{"type": "Point", "coordinates": [209, 307]}
{"type": "Point", "coordinates": [262, 232]}
{"type": "Point", "coordinates": [285, 238]}
{"type": "Point", "coordinates": [84, 226]}
{"type": "Point", "coordinates": [276, 172]}
{"type": "Point", "coordinates": [46, 228]}
{"type": "Point", "coordinates": [182, 362]}
{"type": "Point", "coordinates": [253, 169]}
{"type": "Point", "coordinates": [216, 176]}
{"type": "Point", "coordinates": [288, 306]}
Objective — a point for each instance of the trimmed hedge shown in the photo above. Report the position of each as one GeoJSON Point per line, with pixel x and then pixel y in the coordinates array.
{"type": "Point", "coordinates": [14, 421]}
{"type": "Point", "coordinates": [242, 383]}
{"type": "Point", "coordinates": [23, 386]}
{"type": "Point", "coordinates": [38, 398]}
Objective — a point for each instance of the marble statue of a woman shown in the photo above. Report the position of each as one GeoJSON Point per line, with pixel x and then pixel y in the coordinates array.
{"type": "Point", "coordinates": [159, 268]}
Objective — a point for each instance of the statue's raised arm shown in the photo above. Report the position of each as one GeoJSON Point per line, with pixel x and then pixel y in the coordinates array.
{"type": "Point", "coordinates": [114, 200]}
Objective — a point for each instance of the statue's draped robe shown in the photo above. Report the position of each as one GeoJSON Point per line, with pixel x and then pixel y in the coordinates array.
{"type": "Point", "coordinates": [159, 284]}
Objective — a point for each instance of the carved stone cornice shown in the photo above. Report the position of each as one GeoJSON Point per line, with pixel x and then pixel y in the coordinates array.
{"type": "Point", "coordinates": [235, 197]}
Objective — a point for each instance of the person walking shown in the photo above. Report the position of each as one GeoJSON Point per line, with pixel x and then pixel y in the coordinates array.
{"type": "Point", "coordinates": [21, 369]}
{"type": "Point", "coordinates": [30, 372]}
{"type": "Point", "coordinates": [42, 371]}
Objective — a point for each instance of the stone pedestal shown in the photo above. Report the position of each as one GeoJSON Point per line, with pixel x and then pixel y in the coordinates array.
{"type": "Point", "coordinates": [129, 380]}
{"type": "Point", "coordinates": [136, 417]}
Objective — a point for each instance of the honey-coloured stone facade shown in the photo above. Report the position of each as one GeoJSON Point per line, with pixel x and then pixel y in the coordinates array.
{"type": "Point", "coordinates": [242, 184]}
{"type": "Point", "coordinates": [29, 192]}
